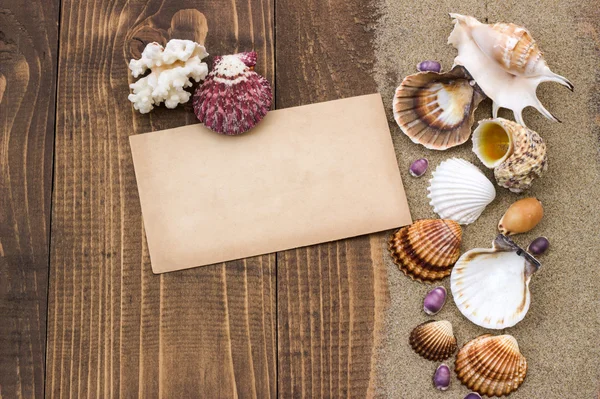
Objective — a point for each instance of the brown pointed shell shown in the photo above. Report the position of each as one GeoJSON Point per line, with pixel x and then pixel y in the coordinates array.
{"type": "Point", "coordinates": [426, 250]}
{"type": "Point", "coordinates": [512, 47]}
{"type": "Point", "coordinates": [491, 365]}
{"type": "Point", "coordinates": [436, 109]}
{"type": "Point", "coordinates": [434, 340]}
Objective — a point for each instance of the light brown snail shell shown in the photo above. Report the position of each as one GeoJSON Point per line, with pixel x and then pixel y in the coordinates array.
{"type": "Point", "coordinates": [521, 217]}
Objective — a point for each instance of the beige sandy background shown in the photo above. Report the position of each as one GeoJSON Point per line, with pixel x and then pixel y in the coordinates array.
{"type": "Point", "coordinates": [560, 334]}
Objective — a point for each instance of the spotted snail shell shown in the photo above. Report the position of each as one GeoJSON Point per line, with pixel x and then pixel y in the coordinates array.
{"type": "Point", "coordinates": [517, 154]}
{"type": "Point", "coordinates": [491, 365]}
{"type": "Point", "coordinates": [426, 250]}
{"type": "Point", "coordinates": [434, 340]}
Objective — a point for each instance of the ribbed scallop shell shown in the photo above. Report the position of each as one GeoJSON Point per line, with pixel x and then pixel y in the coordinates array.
{"type": "Point", "coordinates": [491, 365]}
{"type": "Point", "coordinates": [524, 160]}
{"type": "Point", "coordinates": [233, 98]}
{"type": "Point", "coordinates": [436, 109]}
{"type": "Point", "coordinates": [459, 191]}
{"type": "Point", "coordinates": [434, 340]}
{"type": "Point", "coordinates": [505, 62]}
{"type": "Point", "coordinates": [426, 250]}
{"type": "Point", "coordinates": [490, 286]}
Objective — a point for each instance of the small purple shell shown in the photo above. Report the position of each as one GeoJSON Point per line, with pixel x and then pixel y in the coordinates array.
{"type": "Point", "coordinates": [538, 246]}
{"type": "Point", "coordinates": [434, 300]}
{"type": "Point", "coordinates": [441, 378]}
{"type": "Point", "coordinates": [419, 167]}
{"type": "Point", "coordinates": [473, 395]}
{"type": "Point", "coordinates": [429, 66]}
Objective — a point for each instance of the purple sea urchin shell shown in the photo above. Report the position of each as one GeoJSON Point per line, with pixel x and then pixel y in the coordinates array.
{"type": "Point", "coordinates": [233, 98]}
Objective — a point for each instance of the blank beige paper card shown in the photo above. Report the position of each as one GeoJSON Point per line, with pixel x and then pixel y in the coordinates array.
{"type": "Point", "coordinates": [303, 176]}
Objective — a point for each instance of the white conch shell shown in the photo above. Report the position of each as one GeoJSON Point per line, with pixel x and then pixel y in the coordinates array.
{"type": "Point", "coordinates": [459, 191]}
{"type": "Point", "coordinates": [505, 62]}
{"type": "Point", "coordinates": [490, 286]}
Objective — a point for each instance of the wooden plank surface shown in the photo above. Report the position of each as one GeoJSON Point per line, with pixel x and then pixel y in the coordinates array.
{"type": "Point", "coordinates": [115, 329]}
{"type": "Point", "coordinates": [28, 44]}
{"type": "Point", "coordinates": [331, 296]}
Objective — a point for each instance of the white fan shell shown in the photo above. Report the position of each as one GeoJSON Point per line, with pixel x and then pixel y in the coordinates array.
{"type": "Point", "coordinates": [459, 191]}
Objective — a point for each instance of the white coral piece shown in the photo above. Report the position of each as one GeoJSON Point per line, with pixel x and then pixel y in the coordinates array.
{"type": "Point", "coordinates": [171, 69]}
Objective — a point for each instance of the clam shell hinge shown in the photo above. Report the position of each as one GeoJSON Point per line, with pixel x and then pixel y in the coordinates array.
{"type": "Point", "coordinates": [434, 340]}
{"type": "Point", "coordinates": [491, 365]}
{"type": "Point", "coordinates": [426, 250]}
{"type": "Point", "coordinates": [490, 286]}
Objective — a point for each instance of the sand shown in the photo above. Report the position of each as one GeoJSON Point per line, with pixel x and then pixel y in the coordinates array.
{"type": "Point", "coordinates": [559, 335]}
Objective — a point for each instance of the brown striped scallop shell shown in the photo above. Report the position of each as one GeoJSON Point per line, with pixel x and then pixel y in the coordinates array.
{"type": "Point", "coordinates": [491, 365]}
{"type": "Point", "coordinates": [427, 250]}
{"type": "Point", "coordinates": [436, 109]}
{"type": "Point", "coordinates": [434, 340]}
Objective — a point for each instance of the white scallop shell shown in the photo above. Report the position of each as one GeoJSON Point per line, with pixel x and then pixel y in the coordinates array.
{"type": "Point", "coordinates": [490, 286]}
{"type": "Point", "coordinates": [459, 191]}
{"type": "Point", "coordinates": [510, 86]}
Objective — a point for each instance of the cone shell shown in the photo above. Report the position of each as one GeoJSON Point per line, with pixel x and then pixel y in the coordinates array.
{"type": "Point", "coordinates": [436, 109]}
{"type": "Point", "coordinates": [434, 340]}
{"type": "Point", "coordinates": [426, 250]}
{"type": "Point", "coordinates": [459, 191]}
{"type": "Point", "coordinates": [233, 98]}
{"type": "Point", "coordinates": [490, 286]}
{"type": "Point", "coordinates": [517, 154]}
{"type": "Point", "coordinates": [491, 365]}
{"type": "Point", "coordinates": [505, 62]}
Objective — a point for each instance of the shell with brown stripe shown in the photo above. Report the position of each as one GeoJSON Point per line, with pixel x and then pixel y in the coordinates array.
{"type": "Point", "coordinates": [427, 250]}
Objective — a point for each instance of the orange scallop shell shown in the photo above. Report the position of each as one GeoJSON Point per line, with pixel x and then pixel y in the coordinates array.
{"type": "Point", "coordinates": [491, 365]}
{"type": "Point", "coordinates": [427, 250]}
{"type": "Point", "coordinates": [434, 340]}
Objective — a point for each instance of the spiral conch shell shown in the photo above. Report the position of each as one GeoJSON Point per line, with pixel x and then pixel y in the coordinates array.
{"type": "Point", "coordinates": [506, 63]}
{"type": "Point", "coordinates": [436, 109]}
{"type": "Point", "coordinates": [490, 286]}
{"type": "Point", "coordinates": [491, 365]}
{"type": "Point", "coordinates": [517, 154]}
{"type": "Point", "coordinates": [427, 249]}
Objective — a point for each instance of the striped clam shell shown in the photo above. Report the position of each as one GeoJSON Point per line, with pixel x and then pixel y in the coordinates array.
{"type": "Point", "coordinates": [427, 249]}
{"type": "Point", "coordinates": [436, 109]}
{"type": "Point", "coordinates": [434, 340]}
{"type": "Point", "coordinates": [459, 191]}
{"type": "Point", "coordinates": [491, 365]}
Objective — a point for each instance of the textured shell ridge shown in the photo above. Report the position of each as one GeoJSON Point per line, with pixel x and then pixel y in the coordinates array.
{"type": "Point", "coordinates": [233, 98]}
{"type": "Point", "coordinates": [427, 249]}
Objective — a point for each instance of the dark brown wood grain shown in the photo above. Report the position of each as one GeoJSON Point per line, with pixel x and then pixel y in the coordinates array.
{"type": "Point", "coordinates": [28, 44]}
{"type": "Point", "coordinates": [331, 296]}
{"type": "Point", "coordinates": [115, 329]}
